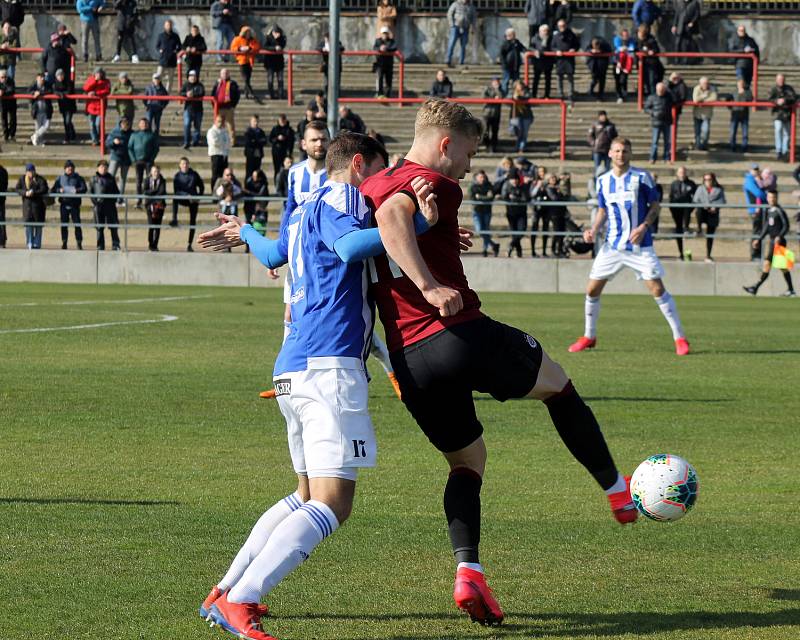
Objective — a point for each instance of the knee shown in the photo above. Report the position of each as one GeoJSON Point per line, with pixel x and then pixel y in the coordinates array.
{"type": "Point", "coordinates": [472, 457]}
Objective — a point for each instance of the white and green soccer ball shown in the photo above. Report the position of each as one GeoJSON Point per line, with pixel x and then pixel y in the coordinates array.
{"type": "Point", "coordinates": [664, 487]}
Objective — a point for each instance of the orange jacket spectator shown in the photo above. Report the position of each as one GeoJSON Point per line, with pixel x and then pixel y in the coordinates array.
{"type": "Point", "coordinates": [97, 84]}
{"type": "Point", "coordinates": [245, 47]}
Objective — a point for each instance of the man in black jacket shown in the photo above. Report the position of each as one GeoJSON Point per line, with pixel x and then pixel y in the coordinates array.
{"type": "Point", "coordinates": [33, 190]}
{"type": "Point", "coordinates": [491, 114]}
{"type": "Point", "coordinates": [681, 191]}
{"type": "Point", "coordinates": [543, 64]}
{"type": "Point", "coordinates": [70, 182]}
{"type": "Point", "coordinates": [55, 57]}
{"type": "Point", "coordinates": [538, 13]}
{"type": "Point", "coordinates": [105, 209]}
{"type": "Point", "coordinates": [193, 110]}
{"type": "Point", "coordinates": [168, 45]}
{"type": "Point", "coordinates": [783, 98]}
{"type": "Point", "coordinates": [186, 182]}
{"type": "Point", "coordinates": [194, 46]}
{"type": "Point", "coordinates": [62, 87]}
{"type": "Point", "coordinates": [274, 63]}
{"type": "Point", "coordinates": [254, 142]}
{"type": "Point", "coordinates": [565, 41]}
{"type": "Point", "coordinates": [777, 228]}
{"type": "Point", "coordinates": [741, 42]}
{"type": "Point", "coordinates": [13, 12]}
{"type": "Point", "coordinates": [384, 64]}
{"type": "Point", "coordinates": [685, 25]}
{"type": "Point", "coordinates": [3, 189]}
{"type": "Point", "coordinates": [511, 58]}
{"type": "Point", "coordinates": [598, 66]}
{"type": "Point", "coordinates": [281, 137]}
{"type": "Point", "coordinates": [127, 18]}
{"type": "Point", "coordinates": [8, 108]}
{"type": "Point", "coordinates": [349, 120]}
{"type": "Point", "coordinates": [659, 107]}
{"type": "Point", "coordinates": [41, 109]}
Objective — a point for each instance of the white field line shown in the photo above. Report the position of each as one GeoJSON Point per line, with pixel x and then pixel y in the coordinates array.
{"type": "Point", "coordinates": [129, 301]}
{"type": "Point", "coordinates": [163, 318]}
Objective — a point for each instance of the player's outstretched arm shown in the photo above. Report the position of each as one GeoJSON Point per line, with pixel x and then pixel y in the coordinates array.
{"type": "Point", "coordinates": [225, 236]}
{"type": "Point", "coordinates": [394, 219]}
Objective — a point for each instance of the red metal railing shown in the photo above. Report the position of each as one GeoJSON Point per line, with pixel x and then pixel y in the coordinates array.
{"type": "Point", "coordinates": [556, 54]}
{"type": "Point", "coordinates": [640, 55]}
{"type": "Point", "coordinates": [40, 50]}
{"type": "Point", "coordinates": [291, 54]}
{"type": "Point", "coordinates": [722, 103]}
{"type": "Point", "coordinates": [531, 101]}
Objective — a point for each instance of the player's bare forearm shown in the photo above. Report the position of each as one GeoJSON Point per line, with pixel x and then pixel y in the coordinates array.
{"type": "Point", "coordinates": [590, 234]}
{"type": "Point", "coordinates": [652, 214]}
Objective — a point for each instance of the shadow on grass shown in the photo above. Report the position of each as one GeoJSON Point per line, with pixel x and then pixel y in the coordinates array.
{"type": "Point", "coordinates": [115, 503]}
{"type": "Point", "coordinates": [784, 594]}
{"type": "Point", "coordinates": [624, 399]}
{"type": "Point", "coordinates": [568, 625]}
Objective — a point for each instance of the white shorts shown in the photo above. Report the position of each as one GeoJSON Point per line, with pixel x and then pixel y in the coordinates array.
{"type": "Point", "coordinates": [328, 424]}
{"type": "Point", "coordinates": [287, 286]}
{"type": "Point", "coordinates": [609, 262]}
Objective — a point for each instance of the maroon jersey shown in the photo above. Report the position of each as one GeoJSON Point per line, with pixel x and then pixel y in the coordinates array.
{"type": "Point", "coordinates": [405, 314]}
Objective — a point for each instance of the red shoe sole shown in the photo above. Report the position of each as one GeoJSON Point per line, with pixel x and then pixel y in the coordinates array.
{"type": "Point", "coordinates": [473, 605]}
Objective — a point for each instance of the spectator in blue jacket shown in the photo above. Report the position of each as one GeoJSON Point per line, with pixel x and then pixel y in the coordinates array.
{"type": "Point", "coordinates": [117, 144]}
{"type": "Point", "coordinates": [222, 18]}
{"type": "Point", "coordinates": [89, 12]}
{"type": "Point", "coordinates": [645, 12]}
{"type": "Point", "coordinates": [754, 193]}
{"type": "Point", "coordinates": [70, 182]}
{"type": "Point", "coordinates": [155, 107]}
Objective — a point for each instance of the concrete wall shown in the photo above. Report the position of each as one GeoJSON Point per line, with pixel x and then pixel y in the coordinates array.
{"type": "Point", "coordinates": [423, 38]}
{"type": "Point", "coordinates": [241, 270]}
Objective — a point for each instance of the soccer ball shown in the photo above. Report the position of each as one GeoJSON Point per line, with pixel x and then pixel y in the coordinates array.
{"type": "Point", "coordinates": [664, 487]}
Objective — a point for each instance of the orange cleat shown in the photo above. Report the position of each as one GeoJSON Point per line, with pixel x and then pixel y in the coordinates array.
{"type": "Point", "coordinates": [216, 594]}
{"type": "Point", "coordinates": [682, 346]}
{"type": "Point", "coordinates": [622, 505]}
{"type": "Point", "coordinates": [474, 596]}
{"type": "Point", "coordinates": [582, 343]}
{"type": "Point", "coordinates": [395, 384]}
{"type": "Point", "coordinates": [269, 394]}
{"type": "Point", "coordinates": [242, 620]}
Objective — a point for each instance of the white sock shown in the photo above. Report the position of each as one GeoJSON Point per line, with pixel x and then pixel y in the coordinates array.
{"type": "Point", "coordinates": [475, 566]}
{"type": "Point", "coordinates": [287, 548]}
{"type": "Point", "coordinates": [258, 537]}
{"type": "Point", "coordinates": [286, 328]}
{"type": "Point", "coordinates": [592, 311]}
{"type": "Point", "coordinates": [380, 351]}
{"type": "Point", "coordinates": [667, 305]}
{"type": "Point", "coordinates": [618, 486]}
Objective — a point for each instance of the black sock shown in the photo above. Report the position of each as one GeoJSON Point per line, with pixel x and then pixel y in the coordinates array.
{"type": "Point", "coordinates": [579, 430]}
{"type": "Point", "coordinates": [761, 279]}
{"type": "Point", "coordinates": [462, 506]}
{"type": "Point", "coordinates": [787, 275]}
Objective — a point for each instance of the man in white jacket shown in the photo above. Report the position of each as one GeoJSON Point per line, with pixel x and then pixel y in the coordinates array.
{"type": "Point", "coordinates": [219, 147]}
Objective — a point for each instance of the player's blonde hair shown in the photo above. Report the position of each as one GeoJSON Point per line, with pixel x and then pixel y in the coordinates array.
{"type": "Point", "coordinates": [447, 116]}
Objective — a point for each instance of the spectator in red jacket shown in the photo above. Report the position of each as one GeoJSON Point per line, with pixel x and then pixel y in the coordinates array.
{"type": "Point", "coordinates": [99, 87]}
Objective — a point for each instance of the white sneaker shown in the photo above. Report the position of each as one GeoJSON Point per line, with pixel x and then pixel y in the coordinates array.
{"type": "Point", "coordinates": [115, 58]}
{"type": "Point", "coordinates": [33, 140]}
{"type": "Point", "coordinates": [135, 59]}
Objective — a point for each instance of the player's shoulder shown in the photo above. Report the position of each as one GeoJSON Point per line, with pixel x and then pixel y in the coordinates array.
{"type": "Point", "coordinates": [344, 198]}
{"type": "Point", "coordinates": [643, 175]}
{"type": "Point", "coordinates": [297, 167]}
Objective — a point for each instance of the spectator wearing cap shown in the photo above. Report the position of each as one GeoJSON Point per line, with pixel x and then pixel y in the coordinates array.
{"type": "Point", "coordinates": [491, 113]}
{"type": "Point", "coordinates": [155, 108]}
{"type": "Point", "coordinates": [387, 16]}
{"type": "Point", "coordinates": [223, 16]}
{"type": "Point", "coordinates": [117, 145]}
{"type": "Point", "coordinates": [226, 92]}
{"type": "Point", "coordinates": [96, 86]}
{"type": "Point", "coordinates": [33, 190]}
{"type": "Point", "coordinates": [8, 107]}
{"type": "Point", "coordinates": [740, 116]}
{"type": "Point", "coordinates": [70, 183]}
{"type": "Point", "coordinates": [41, 109]}
{"type": "Point", "coordinates": [186, 182]}
{"type": "Point", "coordinates": [461, 17]}
{"type": "Point", "coordinates": [511, 58]}
{"type": "Point", "coordinates": [541, 44]}
{"type": "Point", "coordinates": [192, 110]}
{"type": "Point", "coordinates": [62, 87]}
{"type": "Point", "coordinates": [783, 98]}
{"type": "Point", "coordinates": [194, 46]}
{"type": "Point", "coordinates": [124, 87]}
{"type": "Point", "coordinates": [741, 42]}
{"type": "Point", "coordinates": [3, 189]}
{"type": "Point", "coordinates": [275, 42]}
{"type": "Point", "coordinates": [105, 209]}
{"type": "Point", "coordinates": [245, 46]}
{"type": "Point", "coordinates": [565, 41]}
{"type": "Point", "coordinates": [703, 92]}
{"type": "Point", "coordinates": [143, 148]}
{"type": "Point", "coordinates": [597, 63]}
{"type": "Point", "coordinates": [89, 12]}
{"type": "Point", "coordinates": [9, 39]}
{"type": "Point", "coordinates": [384, 63]}
{"type": "Point", "coordinates": [442, 87]}
{"type": "Point", "coordinates": [55, 57]}
{"type": "Point", "coordinates": [755, 194]}
{"type": "Point", "coordinates": [168, 46]}
{"type": "Point", "coordinates": [127, 19]}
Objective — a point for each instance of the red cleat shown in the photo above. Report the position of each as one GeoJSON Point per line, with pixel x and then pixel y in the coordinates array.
{"type": "Point", "coordinates": [215, 595]}
{"type": "Point", "coordinates": [474, 596]}
{"type": "Point", "coordinates": [622, 504]}
{"type": "Point", "coordinates": [395, 385]}
{"type": "Point", "coordinates": [268, 394]}
{"type": "Point", "coordinates": [242, 620]}
{"type": "Point", "coordinates": [581, 344]}
{"type": "Point", "coordinates": [682, 346]}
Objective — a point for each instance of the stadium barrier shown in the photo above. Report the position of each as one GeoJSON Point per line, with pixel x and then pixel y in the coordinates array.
{"type": "Point", "coordinates": [40, 50]}
{"type": "Point", "coordinates": [727, 56]}
{"type": "Point", "coordinates": [291, 54]}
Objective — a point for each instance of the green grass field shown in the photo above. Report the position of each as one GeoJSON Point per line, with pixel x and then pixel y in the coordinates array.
{"type": "Point", "coordinates": [136, 457]}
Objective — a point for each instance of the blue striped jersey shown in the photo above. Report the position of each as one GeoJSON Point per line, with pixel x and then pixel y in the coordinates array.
{"type": "Point", "coordinates": [302, 183]}
{"type": "Point", "coordinates": [332, 315]}
{"type": "Point", "coordinates": [626, 199]}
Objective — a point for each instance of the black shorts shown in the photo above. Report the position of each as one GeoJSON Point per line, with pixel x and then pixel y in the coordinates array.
{"type": "Point", "coordinates": [437, 376]}
{"type": "Point", "coordinates": [771, 240]}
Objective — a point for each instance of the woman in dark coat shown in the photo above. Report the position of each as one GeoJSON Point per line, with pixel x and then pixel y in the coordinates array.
{"type": "Point", "coordinates": [33, 190]}
{"type": "Point", "coordinates": [155, 185]}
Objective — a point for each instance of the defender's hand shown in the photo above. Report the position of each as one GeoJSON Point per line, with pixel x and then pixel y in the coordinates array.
{"type": "Point", "coordinates": [465, 239]}
{"type": "Point", "coordinates": [448, 301]}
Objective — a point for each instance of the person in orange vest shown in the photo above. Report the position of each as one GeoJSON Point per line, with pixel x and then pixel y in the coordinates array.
{"type": "Point", "coordinates": [245, 47]}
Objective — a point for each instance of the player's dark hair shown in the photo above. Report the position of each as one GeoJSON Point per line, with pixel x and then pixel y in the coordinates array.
{"type": "Point", "coordinates": [348, 144]}
{"type": "Point", "coordinates": [773, 192]}
{"type": "Point", "coordinates": [316, 125]}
